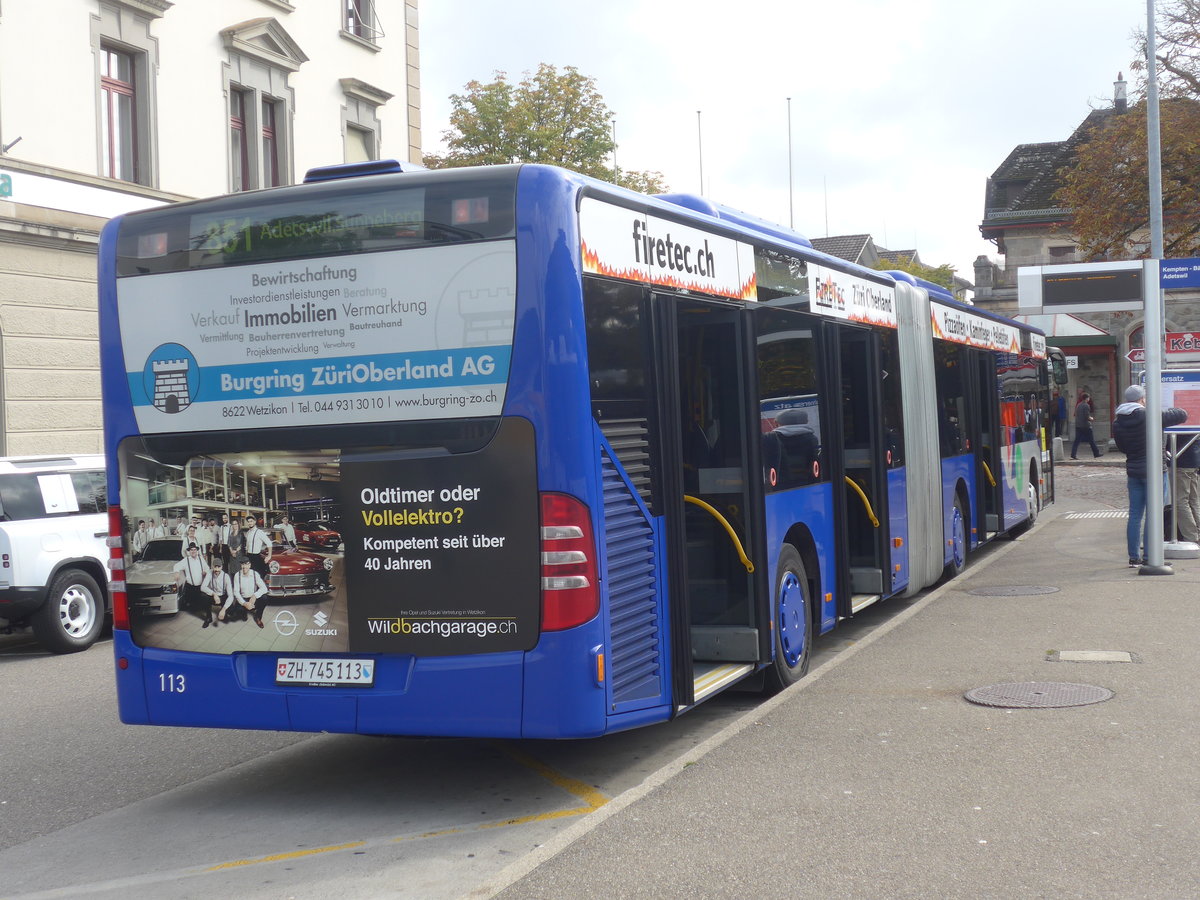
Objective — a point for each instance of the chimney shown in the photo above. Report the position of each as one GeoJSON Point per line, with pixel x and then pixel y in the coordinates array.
{"type": "Point", "coordinates": [1119, 96]}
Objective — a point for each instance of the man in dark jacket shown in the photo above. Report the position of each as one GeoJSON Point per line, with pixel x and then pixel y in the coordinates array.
{"type": "Point", "coordinates": [1083, 427]}
{"type": "Point", "coordinates": [1129, 431]}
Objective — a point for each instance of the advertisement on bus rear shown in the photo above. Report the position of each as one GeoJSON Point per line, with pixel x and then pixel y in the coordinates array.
{"type": "Point", "coordinates": [429, 556]}
{"type": "Point", "coordinates": [423, 333]}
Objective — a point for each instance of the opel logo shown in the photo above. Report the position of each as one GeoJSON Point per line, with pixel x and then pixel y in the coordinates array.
{"type": "Point", "coordinates": [285, 622]}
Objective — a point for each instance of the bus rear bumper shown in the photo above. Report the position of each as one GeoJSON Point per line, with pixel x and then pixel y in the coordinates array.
{"type": "Point", "coordinates": [461, 696]}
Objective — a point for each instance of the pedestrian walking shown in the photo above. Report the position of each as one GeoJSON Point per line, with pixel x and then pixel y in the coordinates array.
{"type": "Point", "coordinates": [1083, 427]}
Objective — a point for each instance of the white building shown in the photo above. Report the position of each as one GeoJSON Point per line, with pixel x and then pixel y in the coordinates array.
{"type": "Point", "coordinates": [112, 105]}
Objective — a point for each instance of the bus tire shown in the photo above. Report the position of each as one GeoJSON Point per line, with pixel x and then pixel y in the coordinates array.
{"type": "Point", "coordinates": [793, 622]}
{"type": "Point", "coordinates": [958, 540]}
{"type": "Point", "coordinates": [72, 617]}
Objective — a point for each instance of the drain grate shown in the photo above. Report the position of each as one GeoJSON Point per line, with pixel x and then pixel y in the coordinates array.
{"type": "Point", "coordinates": [1038, 695]}
{"type": "Point", "coordinates": [1014, 590]}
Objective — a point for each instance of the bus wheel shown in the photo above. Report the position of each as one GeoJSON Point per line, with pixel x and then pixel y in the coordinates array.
{"type": "Point", "coordinates": [72, 617]}
{"type": "Point", "coordinates": [793, 622]}
{"type": "Point", "coordinates": [958, 540]}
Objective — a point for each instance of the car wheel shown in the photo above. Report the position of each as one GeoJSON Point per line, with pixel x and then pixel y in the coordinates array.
{"type": "Point", "coordinates": [72, 617]}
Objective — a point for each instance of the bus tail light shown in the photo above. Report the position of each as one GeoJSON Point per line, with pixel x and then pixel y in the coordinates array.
{"type": "Point", "coordinates": [570, 586]}
{"type": "Point", "coordinates": [116, 562]}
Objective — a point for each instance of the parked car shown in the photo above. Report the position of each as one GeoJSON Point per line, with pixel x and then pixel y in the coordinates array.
{"type": "Point", "coordinates": [320, 535]}
{"type": "Point", "coordinates": [53, 531]}
{"type": "Point", "coordinates": [296, 573]}
{"type": "Point", "coordinates": [150, 581]}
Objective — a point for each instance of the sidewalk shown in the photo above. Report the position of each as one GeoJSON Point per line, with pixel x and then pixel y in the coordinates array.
{"type": "Point", "coordinates": [874, 777]}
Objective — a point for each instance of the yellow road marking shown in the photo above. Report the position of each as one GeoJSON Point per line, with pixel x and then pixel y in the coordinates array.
{"type": "Point", "coordinates": [592, 798]}
{"type": "Point", "coordinates": [280, 857]}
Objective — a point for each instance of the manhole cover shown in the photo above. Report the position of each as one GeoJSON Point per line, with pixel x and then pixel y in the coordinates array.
{"type": "Point", "coordinates": [1038, 695]}
{"type": "Point", "coordinates": [1014, 590]}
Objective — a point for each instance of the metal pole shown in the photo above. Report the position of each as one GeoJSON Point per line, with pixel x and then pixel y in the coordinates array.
{"type": "Point", "coordinates": [1153, 297]}
{"type": "Point", "coordinates": [791, 202]}
{"type": "Point", "coordinates": [700, 147]}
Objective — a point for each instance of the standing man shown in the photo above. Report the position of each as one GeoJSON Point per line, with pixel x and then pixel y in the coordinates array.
{"type": "Point", "coordinates": [139, 538]}
{"type": "Point", "coordinates": [1187, 488]}
{"type": "Point", "coordinates": [289, 532]}
{"type": "Point", "coordinates": [1129, 431]}
{"type": "Point", "coordinates": [258, 549]}
{"type": "Point", "coordinates": [1083, 426]}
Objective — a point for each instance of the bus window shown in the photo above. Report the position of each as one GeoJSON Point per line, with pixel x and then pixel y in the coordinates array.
{"type": "Point", "coordinates": [788, 407]}
{"type": "Point", "coordinates": [893, 411]}
{"type": "Point", "coordinates": [952, 404]}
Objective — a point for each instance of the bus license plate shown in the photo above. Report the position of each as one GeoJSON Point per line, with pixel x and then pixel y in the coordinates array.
{"type": "Point", "coordinates": [325, 672]}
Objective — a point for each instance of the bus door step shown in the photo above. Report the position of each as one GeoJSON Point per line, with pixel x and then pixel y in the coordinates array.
{"type": "Point", "coordinates": [708, 678]}
{"type": "Point", "coordinates": [865, 580]}
{"type": "Point", "coordinates": [738, 644]}
{"type": "Point", "coordinates": [859, 602]}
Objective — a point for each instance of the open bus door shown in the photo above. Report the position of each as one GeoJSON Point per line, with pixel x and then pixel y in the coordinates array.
{"type": "Point", "coordinates": [984, 399]}
{"type": "Point", "coordinates": [860, 466]}
{"type": "Point", "coordinates": [714, 508]}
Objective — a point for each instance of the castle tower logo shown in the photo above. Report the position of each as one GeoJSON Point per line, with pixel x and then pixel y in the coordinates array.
{"type": "Point", "coordinates": [171, 393]}
{"type": "Point", "coordinates": [171, 378]}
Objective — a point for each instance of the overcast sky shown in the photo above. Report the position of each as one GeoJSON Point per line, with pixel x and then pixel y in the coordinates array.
{"type": "Point", "coordinates": [900, 109]}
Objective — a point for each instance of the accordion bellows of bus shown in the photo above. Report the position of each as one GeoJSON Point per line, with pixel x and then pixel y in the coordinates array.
{"type": "Point", "coordinates": [590, 457]}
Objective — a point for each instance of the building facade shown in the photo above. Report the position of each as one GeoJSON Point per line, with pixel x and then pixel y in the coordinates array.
{"type": "Point", "coordinates": [107, 106]}
{"type": "Point", "coordinates": [1030, 228]}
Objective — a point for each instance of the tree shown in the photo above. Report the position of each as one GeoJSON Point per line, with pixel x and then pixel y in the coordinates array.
{"type": "Point", "coordinates": [1107, 185]}
{"type": "Point", "coordinates": [552, 117]}
{"type": "Point", "coordinates": [1177, 49]}
{"type": "Point", "coordinates": [943, 274]}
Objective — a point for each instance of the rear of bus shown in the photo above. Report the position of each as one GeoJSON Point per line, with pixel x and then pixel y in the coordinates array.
{"type": "Point", "coordinates": [378, 353]}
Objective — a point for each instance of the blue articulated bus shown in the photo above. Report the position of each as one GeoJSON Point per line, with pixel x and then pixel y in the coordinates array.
{"type": "Point", "coordinates": [509, 451]}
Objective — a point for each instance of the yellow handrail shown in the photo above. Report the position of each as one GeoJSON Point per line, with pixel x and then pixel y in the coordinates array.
{"type": "Point", "coordinates": [866, 502]}
{"type": "Point", "coordinates": [729, 528]}
{"type": "Point", "coordinates": [988, 472]}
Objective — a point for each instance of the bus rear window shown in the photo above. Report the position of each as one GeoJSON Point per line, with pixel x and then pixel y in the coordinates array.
{"type": "Point", "coordinates": [375, 213]}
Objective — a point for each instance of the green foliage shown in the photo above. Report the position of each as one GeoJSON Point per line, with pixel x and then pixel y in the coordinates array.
{"type": "Point", "coordinates": [552, 117]}
{"type": "Point", "coordinates": [943, 274]}
{"type": "Point", "coordinates": [1107, 187]}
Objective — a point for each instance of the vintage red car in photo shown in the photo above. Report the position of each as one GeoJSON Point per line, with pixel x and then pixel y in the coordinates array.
{"type": "Point", "coordinates": [297, 573]}
{"type": "Point", "coordinates": [318, 534]}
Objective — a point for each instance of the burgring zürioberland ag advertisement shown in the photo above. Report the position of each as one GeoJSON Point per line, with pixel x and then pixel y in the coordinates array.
{"type": "Point", "coordinates": [395, 335]}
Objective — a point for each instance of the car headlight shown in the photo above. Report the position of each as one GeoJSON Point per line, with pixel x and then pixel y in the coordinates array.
{"type": "Point", "coordinates": [328, 564]}
{"type": "Point", "coordinates": [170, 588]}
{"type": "Point", "coordinates": [274, 567]}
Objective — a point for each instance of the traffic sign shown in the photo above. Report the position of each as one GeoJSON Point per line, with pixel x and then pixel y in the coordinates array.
{"type": "Point", "coordinates": [1136, 355]}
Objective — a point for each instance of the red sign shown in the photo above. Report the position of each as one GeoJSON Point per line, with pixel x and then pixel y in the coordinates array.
{"type": "Point", "coordinates": [1182, 342]}
{"type": "Point", "coordinates": [1136, 355]}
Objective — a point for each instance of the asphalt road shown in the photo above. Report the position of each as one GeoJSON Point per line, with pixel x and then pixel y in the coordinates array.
{"type": "Point", "coordinates": [137, 811]}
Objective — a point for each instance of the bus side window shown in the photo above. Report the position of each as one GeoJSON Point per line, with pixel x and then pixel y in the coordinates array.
{"type": "Point", "coordinates": [789, 411]}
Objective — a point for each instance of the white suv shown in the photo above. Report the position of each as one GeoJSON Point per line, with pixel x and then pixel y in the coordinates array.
{"type": "Point", "coordinates": [53, 526]}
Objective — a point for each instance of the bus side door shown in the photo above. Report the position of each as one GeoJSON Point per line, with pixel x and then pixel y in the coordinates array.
{"type": "Point", "coordinates": [983, 398]}
{"type": "Point", "coordinates": [713, 500]}
{"type": "Point", "coordinates": [860, 466]}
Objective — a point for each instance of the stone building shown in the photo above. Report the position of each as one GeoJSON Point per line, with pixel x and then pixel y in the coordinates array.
{"type": "Point", "coordinates": [1030, 229]}
{"type": "Point", "coordinates": [144, 102]}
